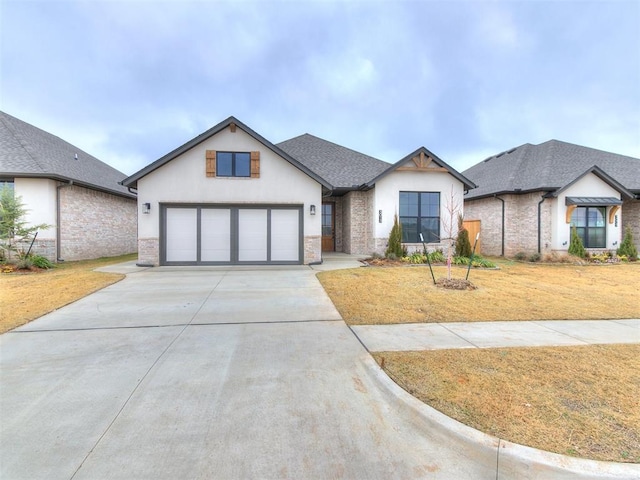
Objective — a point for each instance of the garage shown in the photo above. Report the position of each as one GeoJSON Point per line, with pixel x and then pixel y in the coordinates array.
{"type": "Point", "coordinates": [231, 234]}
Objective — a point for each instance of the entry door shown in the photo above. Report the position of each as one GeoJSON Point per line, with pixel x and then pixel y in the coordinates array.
{"type": "Point", "coordinates": [328, 227]}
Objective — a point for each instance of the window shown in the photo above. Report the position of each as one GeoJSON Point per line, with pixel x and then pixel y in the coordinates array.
{"type": "Point", "coordinates": [420, 213]}
{"type": "Point", "coordinates": [590, 225]}
{"type": "Point", "coordinates": [6, 182]}
{"type": "Point", "coordinates": [233, 164]}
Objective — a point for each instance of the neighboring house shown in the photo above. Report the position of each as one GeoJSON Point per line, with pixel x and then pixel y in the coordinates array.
{"type": "Point", "coordinates": [229, 196]}
{"type": "Point", "coordinates": [89, 213]}
{"type": "Point", "coordinates": [529, 197]}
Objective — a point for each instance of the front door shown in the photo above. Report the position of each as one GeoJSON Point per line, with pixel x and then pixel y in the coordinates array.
{"type": "Point", "coordinates": [328, 227]}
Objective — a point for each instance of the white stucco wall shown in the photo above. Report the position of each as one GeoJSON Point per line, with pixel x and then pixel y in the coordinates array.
{"type": "Point", "coordinates": [183, 180]}
{"type": "Point", "coordinates": [387, 196]}
{"type": "Point", "coordinates": [588, 186]}
{"type": "Point", "coordinates": [39, 198]}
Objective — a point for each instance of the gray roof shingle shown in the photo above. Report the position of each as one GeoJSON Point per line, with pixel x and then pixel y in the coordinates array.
{"type": "Point", "coordinates": [548, 166]}
{"type": "Point", "coordinates": [27, 151]}
{"type": "Point", "coordinates": [340, 166]}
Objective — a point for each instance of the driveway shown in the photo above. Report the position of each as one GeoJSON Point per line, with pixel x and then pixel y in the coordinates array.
{"type": "Point", "coordinates": [207, 373]}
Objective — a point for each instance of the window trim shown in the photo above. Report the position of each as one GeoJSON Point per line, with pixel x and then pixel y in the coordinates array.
{"type": "Point", "coordinates": [419, 217]}
{"type": "Point", "coordinates": [585, 229]}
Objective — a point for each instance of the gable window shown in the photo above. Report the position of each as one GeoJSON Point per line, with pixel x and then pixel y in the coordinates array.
{"type": "Point", "coordinates": [233, 164]}
{"type": "Point", "coordinates": [420, 213]}
{"type": "Point", "coordinates": [590, 226]}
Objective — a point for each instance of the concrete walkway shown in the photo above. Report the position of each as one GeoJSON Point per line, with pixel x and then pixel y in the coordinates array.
{"type": "Point", "coordinates": [199, 373]}
{"type": "Point", "coordinates": [436, 336]}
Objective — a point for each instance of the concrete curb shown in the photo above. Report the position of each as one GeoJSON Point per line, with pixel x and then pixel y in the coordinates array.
{"type": "Point", "coordinates": [507, 460]}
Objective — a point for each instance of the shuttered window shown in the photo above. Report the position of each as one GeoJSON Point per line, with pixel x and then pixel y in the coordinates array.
{"type": "Point", "coordinates": [232, 164]}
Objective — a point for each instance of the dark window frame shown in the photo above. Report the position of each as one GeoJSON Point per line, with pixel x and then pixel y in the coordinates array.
{"type": "Point", "coordinates": [419, 218]}
{"type": "Point", "coordinates": [585, 231]}
{"type": "Point", "coordinates": [234, 164]}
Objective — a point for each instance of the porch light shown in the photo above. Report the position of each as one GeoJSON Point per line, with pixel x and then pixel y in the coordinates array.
{"type": "Point", "coordinates": [146, 208]}
{"type": "Point", "coordinates": [312, 209]}
{"type": "Point", "coordinates": [379, 216]}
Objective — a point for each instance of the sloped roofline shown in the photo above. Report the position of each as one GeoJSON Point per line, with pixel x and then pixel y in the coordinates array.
{"type": "Point", "coordinates": [132, 181]}
{"type": "Point", "coordinates": [452, 171]}
{"type": "Point", "coordinates": [598, 172]}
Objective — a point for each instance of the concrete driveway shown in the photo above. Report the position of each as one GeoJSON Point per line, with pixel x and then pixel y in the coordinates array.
{"type": "Point", "coordinates": [207, 373]}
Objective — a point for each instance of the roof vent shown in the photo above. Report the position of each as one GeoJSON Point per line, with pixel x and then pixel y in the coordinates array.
{"type": "Point", "coordinates": [75, 156]}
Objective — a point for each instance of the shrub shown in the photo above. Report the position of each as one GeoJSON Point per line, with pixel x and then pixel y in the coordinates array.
{"type": "Point", "coordinates": [395, 240]}
{"type": "Point", "coordinates": [24, 263]}
{"type": "Point", "coordinates": [627, 247]}
{"type": "Point", "coordinates": [437, 257]}
{"type": "Point", "coordinates": [576, 247]}
{"type": "Point", "coordinates": [520, 256]}
{"type": "Point", "coordinates": [463, 245]}
{"type": "Point", "coordinates": [41, 262]}
{"type": "Point", "coordinates": [535, 257]}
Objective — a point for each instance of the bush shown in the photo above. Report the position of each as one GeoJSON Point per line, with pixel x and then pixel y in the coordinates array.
{"type": "Point", "coordinates": [520, 256]}
{"type": "Point", "coordinates": [437, 257]}
{"type": "Point", "coordinates": [395, 240]}
{"type": "Point", "coordinates": [627, 247]}
{"type": "Point", "coordinates": [535, 257]}
{"type": "Point", "coordinates": [24, 263]}
{"type": "Point", "coordinates": [463, 245]}
{"type": "Point", "coordinates": [41, 262]}
{"type": "Point", "coordinates": [576, 248]}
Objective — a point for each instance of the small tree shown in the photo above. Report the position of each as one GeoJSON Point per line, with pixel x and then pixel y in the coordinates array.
{"type": "Point", "coordinates": [627, 247]}
{"type": "Point", "coordinates": [395, 239]}
{"type": "Point", "coordinates": [14, 229]}
{"type": "Point", "coordinates": [450, 227]}
{"type": "Point", "coordinates": [463, 245]}
{"type": "Point", "coordinates": [576, 247]}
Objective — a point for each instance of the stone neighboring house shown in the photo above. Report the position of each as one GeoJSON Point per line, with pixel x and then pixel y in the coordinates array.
{"type": "Point", "coordinates": [90, 213]}
{"type": "Point", "coordinates": [529, 197]}
{"type": "Point", "coordinates": [230, 196]}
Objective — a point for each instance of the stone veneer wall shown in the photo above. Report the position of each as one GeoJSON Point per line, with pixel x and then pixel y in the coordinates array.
{"type": "Point", "coordinates": [357, 231]}
{"type": "Point", "coordinates": [96, 224]}
{"type": "Point", "coordinates": [521, 223]}
{"type": "Point", "coordinates": [149, 251]}
{"type": "Point", "coordinates": [312, 249]}
{"type": "Point", "coordinates": [631, 218]}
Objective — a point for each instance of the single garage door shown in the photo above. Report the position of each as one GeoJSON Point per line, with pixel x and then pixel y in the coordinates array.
{"type": "Point", "coordinates": [238, 234]}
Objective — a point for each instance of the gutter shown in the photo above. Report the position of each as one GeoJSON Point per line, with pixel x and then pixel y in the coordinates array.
{"type": "Point", "coordinates": [58, 234]}
{"type": "Point", "coordinates": [540, 223]}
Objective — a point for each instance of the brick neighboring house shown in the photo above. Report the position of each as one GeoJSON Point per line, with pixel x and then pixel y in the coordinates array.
{"type": "Point", "coordinates": [230, 196]}
{"type": "Point", "coordinates": [90, 214]}
{"type": "Point", "coordinates": [529, 197]}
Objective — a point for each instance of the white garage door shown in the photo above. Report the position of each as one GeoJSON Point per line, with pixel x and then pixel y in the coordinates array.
{"type": "Point", "coordinates": [213, 235]}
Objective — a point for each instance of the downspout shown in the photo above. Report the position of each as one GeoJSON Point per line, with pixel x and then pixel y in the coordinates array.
{"type": "Point", "coordinates": [540, 224]}
{"type": "Point", "coordinates": [502, 200]}
{"type": "Point", "coordinates": [58, 235]}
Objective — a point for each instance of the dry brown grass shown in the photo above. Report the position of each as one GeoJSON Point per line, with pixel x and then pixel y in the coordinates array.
{"type": "Point", "coordinates": [27, 296]}
{"type": "Point", "coordinates": [582, 401]}
{"type": "Point", "coordinates": [517, 291]}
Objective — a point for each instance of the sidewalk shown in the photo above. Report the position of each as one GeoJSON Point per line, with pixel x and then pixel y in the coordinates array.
{"type": "Point", "coordinates": [435, 336]}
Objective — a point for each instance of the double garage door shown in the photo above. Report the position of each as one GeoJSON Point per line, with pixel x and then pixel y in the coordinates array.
{"type": "Point", "coordinates": [228, 235]}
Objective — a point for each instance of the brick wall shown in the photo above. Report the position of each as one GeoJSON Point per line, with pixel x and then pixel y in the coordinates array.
{"type": "Point", "coordinates": [520, 223]}
{"type": "Point", "coordinates": [312, 249]}
{"type": "Point", "coordinates": [357, 223]}
{"type": "Point", "coordinates": [95, 224]}
{"type": "Point", "coordinates": [631, 218]}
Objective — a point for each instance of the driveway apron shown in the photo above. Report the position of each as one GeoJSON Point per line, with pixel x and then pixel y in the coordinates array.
{"type": "Point", "coordinates": [200, 373]}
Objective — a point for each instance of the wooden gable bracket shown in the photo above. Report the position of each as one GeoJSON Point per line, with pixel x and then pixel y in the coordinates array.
{"type": "Point", "coordinates": [232, 127]}
{"type": "Point", "coordinates": [423, 163]}
{"type": "Point", "coordinates": [570, 210]}
{"type": "Point", "coordinates": [612, 213]}
{"type": "Point", "coordinates": [255, 164]}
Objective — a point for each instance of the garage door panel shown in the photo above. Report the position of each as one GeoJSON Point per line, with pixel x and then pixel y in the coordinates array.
{"type": "Point", "coordinates": [252, 235]}
{"type": "Point", "coordinates": [285, 235]}
{"type": "Point", "coordinates": [215, 235]}
{"type": "Point", "coordinates": [182, 235]}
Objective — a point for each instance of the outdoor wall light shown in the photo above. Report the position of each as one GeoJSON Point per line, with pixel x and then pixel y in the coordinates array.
{"type": "Point", "coordinates": [379, 216]}
{"type": "Point", "coordinates": [146, 208]}
{"type": "Point", "coordinates": [312, 209]}
{"type": "Point", "coordinates": [615, 243]}
{"type": "Point", "coordinates": [564, 243]}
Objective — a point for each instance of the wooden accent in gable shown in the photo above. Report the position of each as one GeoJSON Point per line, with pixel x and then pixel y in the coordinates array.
{"type": "Point", "coordinates": [232, 127]}
{"type": "Point", "coordinates": [255, 164]}
{"type": "Point", "coordinates": [570, 210]}
{"type": "Point", "coordinates": [422, 163]}
{"type": "Point", "coordinates": [211, 163]}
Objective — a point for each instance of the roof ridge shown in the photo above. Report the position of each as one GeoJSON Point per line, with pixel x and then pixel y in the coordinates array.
{"type": "Point", "coordinates": [337, 145]}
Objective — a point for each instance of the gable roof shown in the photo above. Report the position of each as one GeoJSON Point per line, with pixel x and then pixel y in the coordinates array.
{"type": "Point", "coordinates": [132, 181]}
{"type": "Point", "coordinates": [342, 167]}
{"type": "Point", "coordinates": [27, 151]}
{"type": "Point", "coordinates": [421, 153]}
{"type": "Point", "coordinates": [549, 166]}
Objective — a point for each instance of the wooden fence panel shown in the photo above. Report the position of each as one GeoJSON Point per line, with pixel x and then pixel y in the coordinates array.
{"type": "Point", "coordinates": [473, 227]}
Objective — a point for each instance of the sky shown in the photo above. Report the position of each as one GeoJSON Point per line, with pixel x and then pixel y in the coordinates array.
{"type": "Point", "coordinates": [129, 81]}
